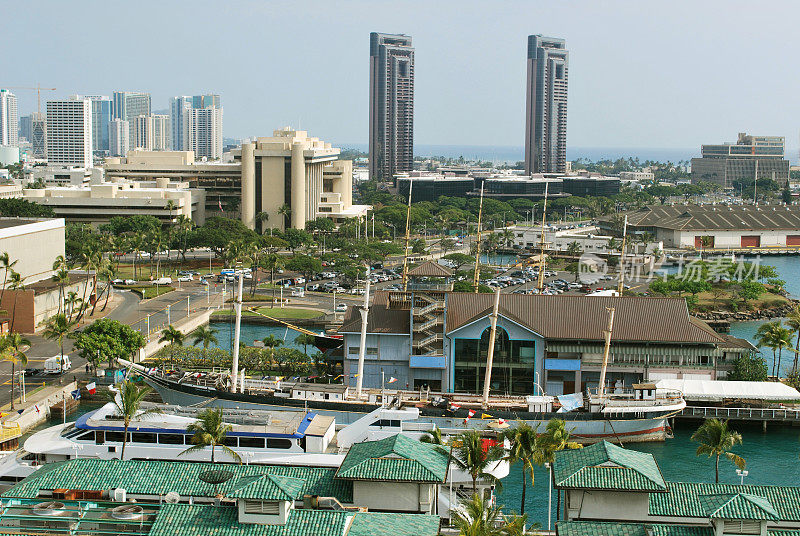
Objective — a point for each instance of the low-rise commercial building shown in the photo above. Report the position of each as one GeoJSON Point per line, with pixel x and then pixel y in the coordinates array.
{"type": "Point", "coordinates": [431, 337]}
{"type": "Point", "coordinates": [716, 226]}
{"type": "Point", "coordinates": [98, 202]}
{"type": "Point", "coordinates": [727, 163]}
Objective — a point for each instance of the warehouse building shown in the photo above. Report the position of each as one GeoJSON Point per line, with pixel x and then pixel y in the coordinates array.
{"type": "Point", "coordinates": [716, 226]}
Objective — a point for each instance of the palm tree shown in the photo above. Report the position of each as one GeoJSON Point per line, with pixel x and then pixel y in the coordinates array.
{"type": "Point", "coordinates": [286, 212]}
{"type": "Point", "coordinates": [305, 339]}
{"type": "Point", "coordinates": [173, 337]}
{"type": "Point", "coordinates": [272, 262]}
{"type": "Point", "coordinates": [793, 323]}
{"type": "Point", "coordinates": [716, 440]}
{"type": "Point", "coordinates": [57, 328]}
{"type": "Point", "coordinates": [525, 446]}
{"type": "Point", "coordinates": [204, 335]}
{"type": "Point", "coordinates": [558, 439]}
{"type": "Point", "coordinates": [210, 431]}
{"type": "Point", "coordinates": [7, 264]}
{"type": "Point", "coordinates": [477, 517]}
{"type": "Point", "coordinates": [261, 217]}
{"type": "Point", "coordinates": [15, 283]}
{"type": "Point", "coordinates": [783, 339]}
{"type": "Point", "coordinates": [767, 336]}
{"type": "Point", "coordinates": [469, 455]}
{"type": "Point", "coordinates": [61, 278]}
{"type": "Point", "coordinates": [128, 405]}
{"type": "Point", "coordinates": [72, 300]}
{"type": "Point", "coordinates": [433, 437]}
{"type": "Point", "coordinates": [272, 342]}
{"type": "Point", "coordinates": [11, 345]}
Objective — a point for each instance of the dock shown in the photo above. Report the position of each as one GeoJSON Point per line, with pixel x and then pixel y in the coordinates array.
{"type": "Point", "coordinates": [762, 415]}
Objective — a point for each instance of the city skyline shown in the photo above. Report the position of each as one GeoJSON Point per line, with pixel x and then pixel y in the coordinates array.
{"type": "Point", "coordinates": [470, 87]}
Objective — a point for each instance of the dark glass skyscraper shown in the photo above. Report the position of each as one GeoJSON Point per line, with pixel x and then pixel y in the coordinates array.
{"type": "Point", "coordinates": [546, 106]}
{"type": "Point", "coordinates": [391, 105]}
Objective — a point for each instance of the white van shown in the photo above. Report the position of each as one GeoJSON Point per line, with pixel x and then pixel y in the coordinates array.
{"type": "Point", "coordinates": [57, 364]}
{"type": "Point", "coordinates": [163, 281]}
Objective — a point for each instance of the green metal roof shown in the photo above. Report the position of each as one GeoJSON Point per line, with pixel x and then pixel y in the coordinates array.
{"type": "Point", "coordinates": [198, 520]}
{"type": "Point", "coordinates": [396, 458]}
{"type": "Point", "coordinates": [594, 528]}
{"type": "Point", "coordinates": [738, 506]}
{"type": "Point", "coordinates": [373, 524]}
{"type": "Point", "coordinates": [151, 477]}
{"type": "Point", "coordinates": [606, 466]}
{"type": "Point", "coordinates": [685, 499]}
{"type": "Point", "coordinates": [269, 487]}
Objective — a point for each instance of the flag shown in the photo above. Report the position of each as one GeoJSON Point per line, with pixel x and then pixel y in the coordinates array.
{"type": "Point", "coordinates": [219, 204]}
{"type": "Point", "coordinates": [91, 387]}
{"type": "Point", "coordinates": [454, 407]}
{"type": "Point", "coordinates": [36, 407]}
{"type": "Point", "coordinates": [501, 421]}
{"type": "Point", "coordinates": [339, 376]}
{"type": "Point", "coordinates": [76, 394]}
{"type": "Point", "coordinates": [486, 416]}
{"type": "Point", "coordinates": [392, 380]}
{"type": "Point", "coordinates": [471, 414]}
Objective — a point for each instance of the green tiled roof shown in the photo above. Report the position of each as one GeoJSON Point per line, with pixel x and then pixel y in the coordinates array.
{"type": "Point", "coordinates": [374, 524]}
{"type": "Point", "coordinates": [738, 506]}
{"type": "Point", "coordinates": [594, 528]}
{"type": "Point", "coordinates": [161, 477]}
{"type": "Point", "coordinates": [278, 488]}
{"type": "Point", "coordinates": [396, 458]}
{"type": "Point", "coordinates": [683, 499]}
{"type": "Point", "coordinates": [607, 466]}
{"type": "Point", "coordinates": [198, 520]}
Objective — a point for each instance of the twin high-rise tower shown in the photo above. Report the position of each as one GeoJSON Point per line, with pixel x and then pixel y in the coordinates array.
{"type": "Point", "coordinates": [391, 105]}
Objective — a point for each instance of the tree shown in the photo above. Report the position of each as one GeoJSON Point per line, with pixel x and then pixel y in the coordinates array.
{"type": "Point", "coordinates": [716, 439]}
{"type": "Point", "coordinates": [209, 431]}
{"type": "Point", "coordinates": [205, 335]}
{"type": "Point", "coordinates": [109, 339]}
{"type": "Point", "coordinates": [574, 249]}
{"type": "Point", "coordinates": [750, 367]}
{"type": "Point", "coordinates": [271, 342]}
{"type": "Point", "coordinates": [11, 345]}
{"type": "Point", "coordinates": [477, 517]}
{"type": "Point", "coordinates": [128, 405]}
{"type": "Point", "coordinates": [793, 323]}
{"type": "Point", "coordinates": [286, 211]}
{"type": "Point", "coordinates": [525, 445]}
{"type": "Point", "coordinates": [15, 283]}
{"type": "Point", "coordinates": [460, 259]}
{"type": "Point", "coordinates": [8, 267]}
{"type": "Point", "coordinates": [433, 437]}
{"type": "Point", "coordinates": [305, 339]}
{"type": "Point", "coordinates": [173, 337]}
{"type": "Point", "coordinates": [16, 207]}
{"type": "Point", "coordinates": [57, 328]}
{"type": "Point", "coordinates": [469, 454]}
{"type": "Point", "coordinates": [272, 262]}
{"type": "Point", "coordinates": [60, 278]}
{"type": "Point", "coordinates": [304, 264]}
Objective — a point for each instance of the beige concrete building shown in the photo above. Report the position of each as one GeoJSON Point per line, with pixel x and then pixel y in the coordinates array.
{"type": "Point", "coordinates": [306, 170]}
{"type": "Point", "coordinates": [99, 202]}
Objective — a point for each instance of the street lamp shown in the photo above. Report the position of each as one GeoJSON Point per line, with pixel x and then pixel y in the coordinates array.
{"type": "Point", "coordinates": [742, 474]}
{"type": "Point", "coordinates": [549, 496]}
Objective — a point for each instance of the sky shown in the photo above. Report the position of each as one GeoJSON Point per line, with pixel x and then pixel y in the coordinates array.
{"type": "Point", "coordinates": [643, 74]}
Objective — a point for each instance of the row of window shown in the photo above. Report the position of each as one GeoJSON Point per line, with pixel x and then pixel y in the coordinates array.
{"type": "Point", "coordinates": [101, 437]}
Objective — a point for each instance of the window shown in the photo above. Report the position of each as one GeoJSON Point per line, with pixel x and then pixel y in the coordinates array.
{"type": "Point", "coordinates": [170, 439]}
{"type": "Point", "coordinates": [88, 436]}
{"type": "Point", "coordinates": [325, 209]}
{"type": "Point", "coordinates": [115, 436]}
{"type": "Point", "coordinates": [139, 437]}
{"type": "Point", "coordinates": [251, 442]}
{"type": "Point", "coordinates": [231, 441]}
{"type": "Point", "coordinates": [278, 443]}
{"type": "Point", "coordinates": [261, 507]}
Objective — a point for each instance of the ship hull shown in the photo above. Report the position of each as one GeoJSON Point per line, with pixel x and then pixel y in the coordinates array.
{"type": "Point", "coordinates": [585, 427]}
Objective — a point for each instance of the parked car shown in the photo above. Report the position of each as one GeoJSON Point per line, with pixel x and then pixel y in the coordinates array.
{"type": "Point", "coordinates": [313, 287]}
{"type": "Point", "coordinates": [162, 281]}
{"type": "Point", "coordinates": [185, 278]}
{"type": "Point", "coordinates": [130, 281]}
{"type": "Point", "coordinates": [341, 307]}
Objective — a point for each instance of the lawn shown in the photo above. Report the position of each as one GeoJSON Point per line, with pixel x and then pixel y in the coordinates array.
{"type": "Point", "coordinates": [147, 291]}
{"type": "Point", "coordinates": [282, 313]}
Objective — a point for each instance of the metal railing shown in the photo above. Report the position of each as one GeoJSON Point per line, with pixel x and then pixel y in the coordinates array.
{"type": "Point", "coordinates": [9, 430]}
{"type": "Point", "coordinates": [429, 323]}
{"type": "Point", "coordinates": [435, 306]}
{"type": "Point", "coordinates": [755, 414]}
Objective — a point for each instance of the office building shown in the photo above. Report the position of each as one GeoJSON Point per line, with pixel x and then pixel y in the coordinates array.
{"type": "Point", "coordinates": [99, 201]}
{"type": "Point", "coordinates": [290, 168]}
{"type": "Point", "coordinates": [151, 132]}
{"type": "Point", "coordinates": [101, 116]}
{"type": "Point", "coordinates": [69, 132]}
{"type": "Point", "coordinates": [197, 125]}
{"type": "Point", "coordinates": [546, 106]}
{"type": "Point", "coordinates": [728, 163]}
{"type": "Point", "coordinates": [128, 106]}
{"type": "Point", "coordinates": [391, 105]}
{"type": "Point", "coordinates": [9, 118]}
{"type": "Point", "coordinates": [119, 137]}
{"type": "Point", "coordinates": [33, 128]}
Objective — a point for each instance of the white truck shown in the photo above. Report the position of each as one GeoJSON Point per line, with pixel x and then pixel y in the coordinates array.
{"type": "Point", "coordinates": [57, 364]}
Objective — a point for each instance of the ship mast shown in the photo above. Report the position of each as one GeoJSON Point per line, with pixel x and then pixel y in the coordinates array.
{"type": "Point", "coordinates": [238, 325]}
{"type": "Point", "coordinates": [622, 256]}
{"type": "Point", "coordinates": [362, 346]}
{"type": "Point", "coordinates": [487, 380]}
{"type": "Point", "coordinates": [541, 241]}
{"type": "Point", "coordinates": [477, 276]}
{"type": "Point", "coordinates": [408, 230]}
{"type": "Point", "coordinates": [606, 351]}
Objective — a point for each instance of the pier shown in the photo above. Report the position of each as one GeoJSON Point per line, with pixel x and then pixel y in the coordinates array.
{"type": "Point", "coordinates": [763, 415]}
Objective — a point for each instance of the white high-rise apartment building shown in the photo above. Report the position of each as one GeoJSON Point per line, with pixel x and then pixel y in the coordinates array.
{"type": "Point", "coordinates": [151, 132]}
{"type": "Point", "coordinates": [9, 118]}
{"type": "Point", "coordinates": [129, 105]}
{"type": "Point", "coordinates": [69, 132]}
{"type": "Point", "coordinates": [118, 137]}
{"type": "Point", "coordinates": [197, 125]}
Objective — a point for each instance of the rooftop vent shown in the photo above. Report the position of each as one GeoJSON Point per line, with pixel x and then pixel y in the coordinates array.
{"type": "Point", "coordinates": [127, 512]}
{"type": "Point", "coordinates": [49, 508]}
{"type": "Point", "coordinates": [172, 497]}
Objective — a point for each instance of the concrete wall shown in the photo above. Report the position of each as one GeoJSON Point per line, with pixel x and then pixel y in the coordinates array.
{"type": "Point", "coordinates": [398, 496]}
{"type": "Point", "coordinates": [35, 245]}
{"type": "Point", "coordinates": [620, 506]}
{"type": "Point", "coordinates": [31, 418]}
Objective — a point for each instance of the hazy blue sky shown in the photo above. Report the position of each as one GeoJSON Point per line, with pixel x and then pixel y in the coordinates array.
{"type": "Point", "coordinates": [642, 73]}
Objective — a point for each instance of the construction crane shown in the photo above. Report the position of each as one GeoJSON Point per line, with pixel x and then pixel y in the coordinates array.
{"type": "Point", "coordinates": [39, 90]}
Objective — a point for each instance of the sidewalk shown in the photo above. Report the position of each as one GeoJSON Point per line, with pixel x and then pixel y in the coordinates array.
{"type": "Point", "coordinates": [36, 408]}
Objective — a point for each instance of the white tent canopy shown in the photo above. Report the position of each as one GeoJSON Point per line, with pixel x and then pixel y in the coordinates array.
{"type": "Point", "coordinates": [717, 391]}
